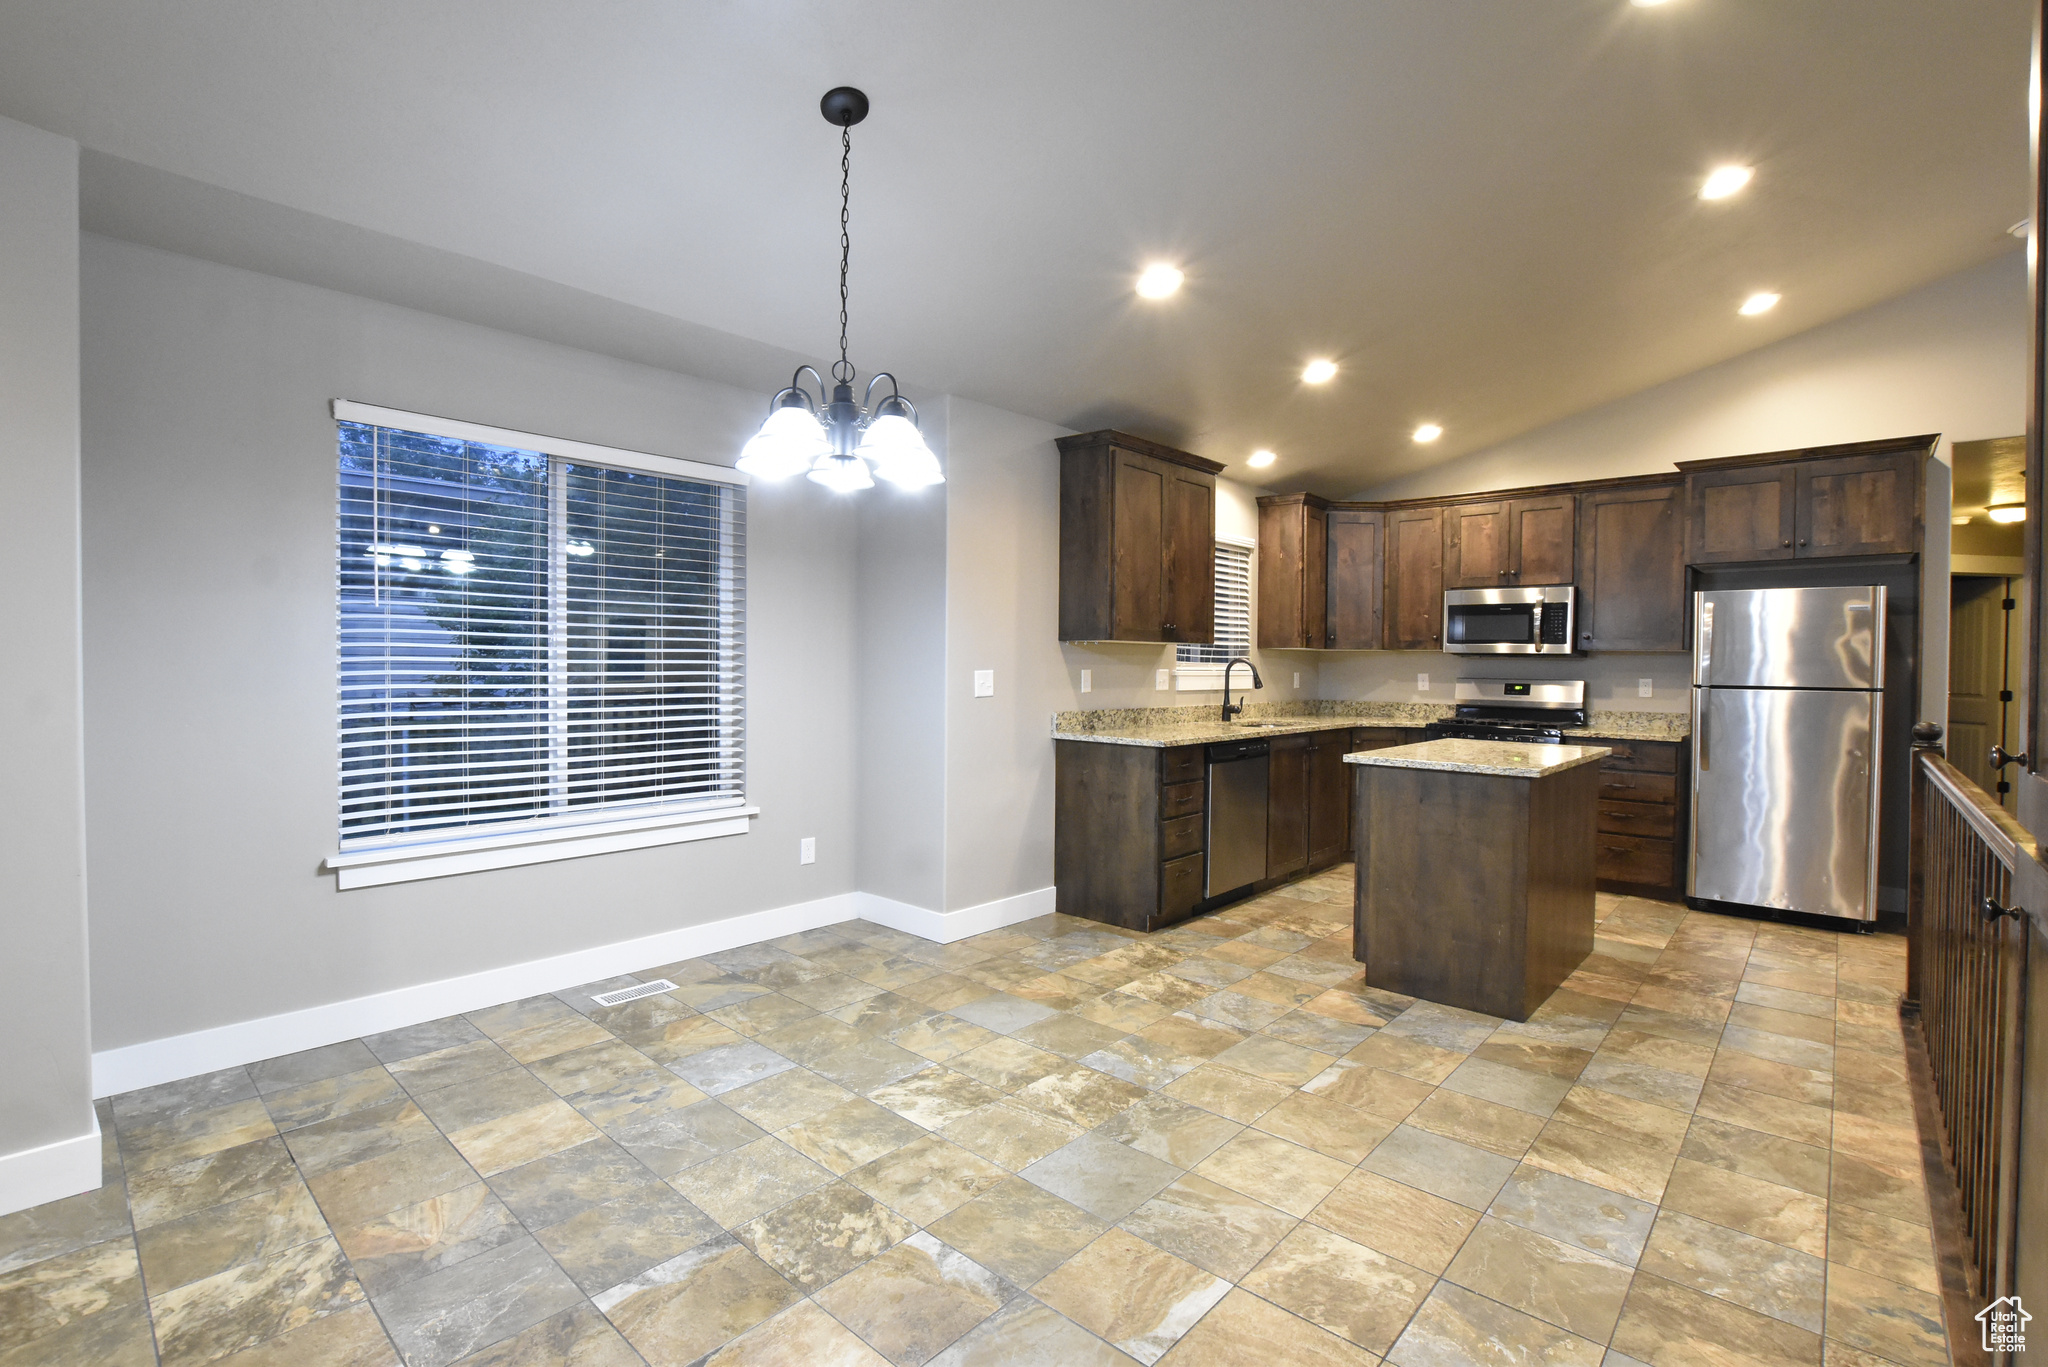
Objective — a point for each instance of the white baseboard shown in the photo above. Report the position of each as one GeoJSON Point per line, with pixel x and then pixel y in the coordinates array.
{"type": "Point", "coordinates": [51, 1172]}
{"type": "Point", "coordinates": [945, 927]}
{"type": "Point", "coordinates": [227, 1046]}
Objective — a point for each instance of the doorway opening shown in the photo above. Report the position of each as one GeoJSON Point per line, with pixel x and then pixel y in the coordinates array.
{"type": "Point", "coordinates": [1980, 677]}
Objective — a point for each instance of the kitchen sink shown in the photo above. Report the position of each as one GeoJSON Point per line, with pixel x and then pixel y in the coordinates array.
{"type": "Point", "coordinates": [1257, 725]}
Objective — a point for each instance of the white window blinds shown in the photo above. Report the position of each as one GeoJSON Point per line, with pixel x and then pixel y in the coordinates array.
{"type": "Point", "coordinates": [1233, 610]}
{"type": "Point", "coordinates": [531, 639]}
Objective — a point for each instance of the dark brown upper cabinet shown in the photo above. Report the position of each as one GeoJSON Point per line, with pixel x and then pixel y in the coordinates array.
{"type": "Point", "coordinates": [1859, 499]}
{"type": "Point", "coordinates": [1137, 541]}
{"type": "Point", "coordinates": [1355, 584]}
{"type": "Point", "coordinates": [1293, 594]}
{"type": "Point", "coordinates": [1632, 568]}
{"type": "Point", "coordinates": [1500, 542]}
{"type": "Point", "coordinates": [1414, 617]}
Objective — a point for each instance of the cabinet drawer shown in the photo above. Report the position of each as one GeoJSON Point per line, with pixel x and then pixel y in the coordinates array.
{"type": "Point", "coordinates": [1180, 887]}
{"type": "Point", "coordinates": [1629, 859]}
{"type": "Point", "coordinates": [1180, 764]}
{"type": "Point", "coordinates": [1377, 738]}
{"type": "Point", "coordinates": [1654, 757]}
{"type": "Point", "coordinates": [1629, 785]}
{"type": "Point", "coordinates": [1649, 819]}
{"type": "Point", "coordinates": [1182, 835]}
{"type": "Point", "coordinates": [1180, 799]}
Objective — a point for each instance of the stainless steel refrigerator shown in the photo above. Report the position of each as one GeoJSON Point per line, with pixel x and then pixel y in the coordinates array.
{"type": "Point", "coordinates": [1788, 692]}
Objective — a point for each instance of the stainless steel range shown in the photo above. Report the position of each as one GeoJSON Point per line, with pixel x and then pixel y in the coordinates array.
{"type": "Point", "coordinates": [1544, 711]}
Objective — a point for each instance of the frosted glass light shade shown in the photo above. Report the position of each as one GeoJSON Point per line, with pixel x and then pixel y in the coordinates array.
{"type": "Point", "coordinates": [842, 474]}
{"type": "Point", "coordinates": [899, 452]}
{"type": "Point", "coordinates": [788, 442]}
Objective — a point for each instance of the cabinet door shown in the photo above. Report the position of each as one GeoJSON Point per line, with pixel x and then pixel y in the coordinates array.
{"type": "Point", "coordinates": [1415, 579]}
{"type": "Point", "coordinates": [1287, 807]}
{"type": "Point", "coordinates": [1138, 531]}
{"type": "Point", "coordinates": [1315, 576]}
{"type": "Point", "coordinates": [1741, 514]}
{"type": "Point", "coordinates": [1632, 584]}
{"type": "Point", "coordinates": [1859, 505]}
{"type": "Point", "coordinates": [1329, 799]}
{"type": "Point", "coordinates": [1283, 576]}
{"type": "Point", "coordinates": [1542, 550]}
{"type": "Point", "coordinates": [1354, 581]}
{"type": "Point", "coordinates": [1476, 545]}
{"type": "Point", "coordinates": [1190, 555]}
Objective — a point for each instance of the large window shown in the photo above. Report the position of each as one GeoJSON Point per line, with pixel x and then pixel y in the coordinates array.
{"type": "Point", "coordinates": [539, 641]}
{"type": "Point", "coordinates": [1201, 666]}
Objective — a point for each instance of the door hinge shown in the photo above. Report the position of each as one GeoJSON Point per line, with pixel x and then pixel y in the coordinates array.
{"type": "Point", "coordinates": [2009, 604]}
{"type": "Point", "coordinates": [2005, 695]}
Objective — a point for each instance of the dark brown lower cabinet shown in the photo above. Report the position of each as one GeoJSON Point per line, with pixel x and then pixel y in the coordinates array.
{"type": "Point", "coordinates": [1644, 818]}
{"type": "Point", "coordinates": [1329, 799]}
{"type": "Point", "coordinates": [1127, 832]}
{"type": "Point", "coordinates": [1287, 807]}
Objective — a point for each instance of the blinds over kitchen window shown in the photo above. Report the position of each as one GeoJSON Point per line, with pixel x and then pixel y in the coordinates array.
{"type": "Point", "coordinates": [1233, 610]}
{"type": "Point", "coordinates": [531, 639]}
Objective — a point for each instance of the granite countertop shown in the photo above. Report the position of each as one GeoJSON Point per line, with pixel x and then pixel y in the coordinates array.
{"type": "Point", "coordinates": [1165, 727]}
{"type": "Point", "coordinates": [1504, 759]}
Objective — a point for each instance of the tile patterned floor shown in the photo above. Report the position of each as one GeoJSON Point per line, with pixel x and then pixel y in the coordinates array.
{"type": "Point", "coordinates": [1052, 1144]}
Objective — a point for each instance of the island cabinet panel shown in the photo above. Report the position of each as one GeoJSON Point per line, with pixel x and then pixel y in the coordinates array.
{"type": "Point", "coordinates": [1355, 584]}
{"type": "Point", "coordinates": [1287, 807]}
{"type": "Point", "coordinates": [1859, 505]}
{"type": "Point", "coordinates": [1128, 844]}
{"type": "Point", "coordinates": [1415, 579]}
{"type": "Point", "coordinates": [1293, 572]}
{"type": "Point", "coordinates": [1644, 820]}
{"type": "Point", "coordinates": [1632, 569]}
{"type": "Point", "coordinates": [1739, 514]}
{"type": "Point", "coordinates": [1137, 541]}
{"type": "Point", "coordinates": [1492, 925]}
{"type": "Point", "coordinates": [1329, 799]}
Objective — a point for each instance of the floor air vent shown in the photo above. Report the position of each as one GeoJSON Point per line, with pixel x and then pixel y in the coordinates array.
{"type": "Point", "coordinates": [633, 994]}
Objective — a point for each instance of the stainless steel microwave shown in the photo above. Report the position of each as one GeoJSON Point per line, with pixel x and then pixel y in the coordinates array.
{"type": "Point", "coordinates": [1517, 621]}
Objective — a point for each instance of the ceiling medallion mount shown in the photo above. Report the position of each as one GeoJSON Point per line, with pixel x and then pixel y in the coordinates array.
{"type": "Point", "coordinates": [835, 442]}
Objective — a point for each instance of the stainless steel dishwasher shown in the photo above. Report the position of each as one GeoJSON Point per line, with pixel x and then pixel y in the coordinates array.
{"type": "Point", "coordinates": [1238, 779]}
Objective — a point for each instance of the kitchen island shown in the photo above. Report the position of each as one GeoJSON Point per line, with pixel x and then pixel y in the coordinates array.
{"type": "Point", "coordinates": [1475, 869]}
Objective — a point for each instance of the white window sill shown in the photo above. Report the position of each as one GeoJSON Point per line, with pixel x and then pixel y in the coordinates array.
{"type": "Point", "coordinates": [368, 868]}
{"type": "Point", "coordinates": [1199, 678]}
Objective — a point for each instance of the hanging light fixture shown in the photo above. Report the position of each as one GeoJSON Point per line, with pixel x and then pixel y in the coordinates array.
{"type": "Point", "coordinates": [836, 442]}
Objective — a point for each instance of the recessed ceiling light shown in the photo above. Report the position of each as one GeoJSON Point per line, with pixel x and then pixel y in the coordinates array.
{"type": "Point", "coordinates": [2021, 228]}
{"type": "Point", "coordinates": [1158, 280]}
{"type": "Point", "coordinates": [1429, 431]}
{"type": "Point", "coordinates": [1724, 181]}
{"type": "Point", "coordinates": [1318, 371]}
{"type": "Point", "coordinates": [2007, 512]}
{"type": "Point", "coordinates": [1261, 459]}
{"type": "Point", "coordinates": [1761, 302]}
{"type": "Point", "coordinates": [1646, 4]}
{"type": "Point", "coordinates": [1959, 520]}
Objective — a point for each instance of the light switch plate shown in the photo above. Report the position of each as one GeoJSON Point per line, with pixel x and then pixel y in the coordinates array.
{"type": "Point", "coordinates": [1643, 687]}
{"type": "Point", "coordinates": [1422, 683]}
{"type": "Point", "coordinates": [1160, 680]}
{"type": "Point", "coordinates": [1297, 678]}
{"type": "Point", "coordinates": [984, 683]}
{"type": "Point", "coordinates": [1087, 681]}
{"type": "Point", "coordinates": [807, 850]}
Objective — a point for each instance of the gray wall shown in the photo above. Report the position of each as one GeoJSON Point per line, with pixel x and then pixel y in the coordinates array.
{"type": "Point", "coordinates": [46, 1066]}
{"type": "Point", "coordinates": [210, 654]}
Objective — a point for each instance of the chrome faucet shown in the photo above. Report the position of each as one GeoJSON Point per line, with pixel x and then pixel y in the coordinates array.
{"type": "Point", "coordinates": [1257, 682]}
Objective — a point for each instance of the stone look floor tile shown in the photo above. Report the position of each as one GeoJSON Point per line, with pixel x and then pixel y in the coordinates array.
{"type": "Point", "coordinates": [1236, 1096]}
{"type": "Point", "coordinates": [609, 1243]}
{"type": "Point", "coordinates": [801, 1334]}
{"type": "Point", "coordinates": [59, 1227]}
{"type": "Point", "coordinates": [1443, 1167]}
{"type": "Point", "coordinates": [1602, 1160]}
{"type": "Point", "coordinates": [816, 1239]}
{"type": "Point", "coordinates": [1268, 1168]}
{"type": "Point", "coordinates": [576, 1337]}
{"type": "Point", "coordinates": [346, 1338]}
{"type": "Point", "coordinates": [1665, 1323]}
{"type": "Point", "coordinates": [1764, 1209]}
{"type": "Point", "coordinates": [1879, 1316]}
{"type": "Point", "coordinates": [1396, 1219]}
{"type": "Point", "coordinates": [1102, 1177]}
{"type": "Point", "coordinates": [1780, 1282]}
{"type": "Point", "coordinates": [916, 1300]}
{"type": "Point", "coordinates": [1009, 1135]}
{"type": "Point", "coordinates": [1556, 1282]}
{"type": "Point", "coordinates": [1219, 1230]}
{"type": "Point", "coordinates": [245, 1305]}
{"type": "Point", "coordinates": [518, 1138]}
{"type": "Point", "coordinates": [1132, 1294]}
{"type": "Point", "coordinates": [1244, 1331]}
{"type": "Point", "coordinates": [1577, 1213]}
{"type": "Point", "coordinates": [696, 1302]}
{"type": "Point", "coordinates": [1488, 1125]}
{"type": "Point", "coordinates": [1456, 1327]}
{"type": "Point", "coordinates": [45, 1297]}
{"type": "Point", "coordinates": [853, 1133]}
{"type": "Point", "coordinates": [1029, 1333]}
{"type": "Point", "coordinates": [1345, 1287]}
{"type": "Point", "coordinates": [1171, 1130]}
{"type": "Point", "coordinates": [927, 1178]}
{"type": "Point", "coordinates": [211, 1241]}
{"type": "Point", "coordinates": [1019, 1230]}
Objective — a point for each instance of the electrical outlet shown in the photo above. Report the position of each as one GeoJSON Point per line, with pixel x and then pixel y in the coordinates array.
{"type": "Point", "coordinates": [1087, 681]}
{"type": "Point", "coordinates": [1422, 683]}
{"type": "Point", "coordinates": [1643, 688]}
{"type": "Point", "coordinates": [1160, 679]}
{"type": "Point", "coordinates": [807, 850]}
{"type": "Point", "coordinates": [984, 683]}
{"type": "Point", "coordinates": [1297, 678]}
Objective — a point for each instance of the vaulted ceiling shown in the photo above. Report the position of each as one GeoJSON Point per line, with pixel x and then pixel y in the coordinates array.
{"type": "Point", "coordinates": [1485, 210]}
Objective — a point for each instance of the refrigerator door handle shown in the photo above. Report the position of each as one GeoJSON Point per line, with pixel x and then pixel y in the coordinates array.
{"type": "Point", "coordinates": [1706, 750]}
{"type": "Point", "coordinates": [1706, 654]}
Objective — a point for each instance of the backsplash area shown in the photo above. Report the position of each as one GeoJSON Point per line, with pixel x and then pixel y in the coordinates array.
{"type": "Point", "coordinates": [1612, 681]}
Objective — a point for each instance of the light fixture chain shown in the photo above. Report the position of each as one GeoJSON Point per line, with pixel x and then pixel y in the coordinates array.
{"type": "Point", "coordinates": [843, 371]}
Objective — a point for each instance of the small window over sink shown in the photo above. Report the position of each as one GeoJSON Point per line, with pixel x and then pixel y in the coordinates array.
{"type": "Point", "coordinates": [1199, 668]}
